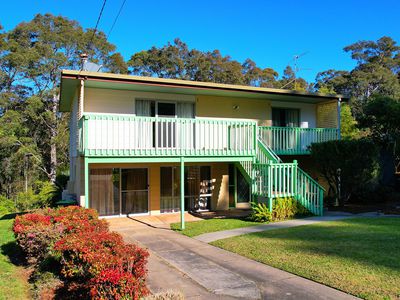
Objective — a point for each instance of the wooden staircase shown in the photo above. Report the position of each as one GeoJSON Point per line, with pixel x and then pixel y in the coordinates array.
{"type": "Point", "coordinates": [272, 179]}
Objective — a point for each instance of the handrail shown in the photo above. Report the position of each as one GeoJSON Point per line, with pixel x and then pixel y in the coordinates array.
{"type": "Point", "coordinates": [311, 179]}
{"type": "Point", "coordinates": [295, 140]}
{"type": "Point", "coordinates": [267, 152]}
{"type": "Point", "coordinates": [127, 135]}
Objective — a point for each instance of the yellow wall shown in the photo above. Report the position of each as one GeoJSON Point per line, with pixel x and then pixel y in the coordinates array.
{"type": "Point", "coordinates": [223, 107]}
{"type": "Point", "coordinates": [327, 116]}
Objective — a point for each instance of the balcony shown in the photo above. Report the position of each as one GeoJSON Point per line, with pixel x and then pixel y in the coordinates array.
{"type": "Point", "coordinates": [295, 140]}
{"type": "Point", "coordinates": [116, 135]}
{"type": "Point", "coordinates": [125, 135]}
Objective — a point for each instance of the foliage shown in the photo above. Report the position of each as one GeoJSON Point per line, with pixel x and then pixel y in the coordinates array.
{"type": "Point", "coordinates": [348, 124]}
{"type": "Point", "coordinates": [40, 195]}
{"type": "Point", "coordinates": [33, 135]}
{"type": "Point", "coordinates": [6, 206]}
{"type": "Point", "coordinates": [357, 161]}
{"type": "Point", "coordinates": [260, 213]}
{"type": "Point", "coordinates": [176, 60]}
{"type": "Point", "coordinates": [36, 235]}
{"type": "Point", "coordinates": [91, 259]}
{"type": "Point", "coordinates": [287, 208]}
{"type": "Point", "coordinates": [376, 73]}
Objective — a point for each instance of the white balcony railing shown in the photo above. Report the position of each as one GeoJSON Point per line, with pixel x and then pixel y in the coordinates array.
{"type": "Point", "coordinates": [123, 135]}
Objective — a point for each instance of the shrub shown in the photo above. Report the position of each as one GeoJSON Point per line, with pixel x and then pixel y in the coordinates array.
{"type": "Point", "coordinates": [6, 206]}
{"type": "Point", "coordinates": [260, 212]}
{"type": "Point", "coordinates": [91, 259]}
{"type": "Point", "coordinates": [117, 284]}
{"type": "Point", "coordinates": [76, 219]}
{"type": "Point", "coordinates": [36, 234]}
{"type": "Point", "coordinates": [357, 160]}
{"type": "Point", "coordinates": [287, 208]}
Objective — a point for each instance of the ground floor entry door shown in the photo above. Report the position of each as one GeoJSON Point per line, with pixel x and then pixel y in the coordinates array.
{"type": "Point", "coordinates": [119, 191]}
{"type": "Point", "coordinates": [134, 191]}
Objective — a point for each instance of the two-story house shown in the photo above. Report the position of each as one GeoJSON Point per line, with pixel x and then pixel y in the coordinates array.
{"type": "Point", "coordinates": [144, 145]}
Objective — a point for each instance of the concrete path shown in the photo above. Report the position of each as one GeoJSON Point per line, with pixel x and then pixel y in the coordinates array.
{"type": "Point", "coordinates": [219, 235]}
{"type": "Point", "coordinates": [202, 271]}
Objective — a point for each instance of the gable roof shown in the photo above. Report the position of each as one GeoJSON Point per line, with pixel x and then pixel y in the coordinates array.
{"type": "Point", "coordinates": [70, 81]}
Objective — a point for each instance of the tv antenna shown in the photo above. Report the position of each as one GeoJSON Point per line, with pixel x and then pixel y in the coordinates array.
{"type": "Point", "coordinates": [296, 68]}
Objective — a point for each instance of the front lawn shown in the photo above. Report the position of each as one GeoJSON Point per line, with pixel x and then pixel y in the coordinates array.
{"type": "Point", "coordinates": [211, 225]}
{"type": "Point", "coordinates": [360, 256]}
{"type": "Point", "coordinates": [13, 280]}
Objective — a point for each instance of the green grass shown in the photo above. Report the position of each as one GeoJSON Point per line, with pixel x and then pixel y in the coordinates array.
{"type": "Point", "coordinates": [211, 225]}
{"type": "Point", "coordinates": [360, 256]}
{"type": "Point", "coordinates": [13, 281]}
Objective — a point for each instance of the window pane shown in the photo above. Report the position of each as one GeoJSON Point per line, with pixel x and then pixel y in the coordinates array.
{"type": "Point", "coordinates": [166, 109]}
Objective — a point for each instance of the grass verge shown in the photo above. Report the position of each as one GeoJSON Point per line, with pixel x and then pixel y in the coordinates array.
{"type": "Point", "coordinates": [360, 256]}
{"type": "Point", "coordinates": [13, 279]}
{"type": "Point", "coordinates": [211, 225]}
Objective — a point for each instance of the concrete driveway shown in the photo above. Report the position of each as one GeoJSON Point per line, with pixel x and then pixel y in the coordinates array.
{"type": "Point", "coordinates": [202, 271]}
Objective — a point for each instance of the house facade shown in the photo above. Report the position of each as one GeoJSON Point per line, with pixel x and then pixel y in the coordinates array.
{"type": "Point", "coordinates": [143, 145]}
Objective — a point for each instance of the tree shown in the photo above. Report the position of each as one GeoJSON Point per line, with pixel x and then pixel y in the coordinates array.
{"type": "Point", "coordinates": [291, 82]}
{"type": "Point", "coordinates": [357, 161]}
{"type": "Point", "coordinates": [176, 60]}
{"type": "Point", "coordinates": [32, 56]}
{"type": "Point", "coordinates": [376, 73]}
{"type": "Point", "coordinates": [381, 118]}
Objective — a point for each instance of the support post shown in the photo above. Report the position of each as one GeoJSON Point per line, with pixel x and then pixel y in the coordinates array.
{"type": "Point", "coordinates": [86, 181]}
{"type": "Point", "coordinates": [295, 188]}
{"type": "Point", "coordinates": [339, 104]}
{"type": "Point", "coordinates": [182, 193]}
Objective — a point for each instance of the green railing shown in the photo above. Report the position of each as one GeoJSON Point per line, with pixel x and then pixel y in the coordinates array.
{"type": "Point", "coordinates": [125, 135]}
{"type": "Point", "coordinates": [279, 180]}
{"type": "Point", "coordinates": [295, 140]}
{"type": "Point", "coordinates": [309, 193]}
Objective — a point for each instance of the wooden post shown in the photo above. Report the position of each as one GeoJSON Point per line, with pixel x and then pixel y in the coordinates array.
{"type": "Point", "coordinates": [339, 104]}
{"type": "Point", "coordinates": [87, 176]}
{"type": "Point", "coordinates": [182, 193]}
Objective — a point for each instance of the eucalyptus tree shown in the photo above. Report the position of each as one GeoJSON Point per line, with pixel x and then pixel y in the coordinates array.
{"type": "Point", "coordinates": [32, 56]}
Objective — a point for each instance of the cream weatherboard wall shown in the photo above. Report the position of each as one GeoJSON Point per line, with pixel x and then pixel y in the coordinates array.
{"type": "Point", "coordinates": [237, 108]}
{"type": "Point", "coordinates": [122, 101]}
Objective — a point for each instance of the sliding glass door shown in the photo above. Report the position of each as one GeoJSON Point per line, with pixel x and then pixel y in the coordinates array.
{"type": "Point", "coordinates": [134, 191]}
{"type": "Point", "coordinates": [170, 189]}
{"type": "Point", "coordinates": [119, 191]}
{"type": "Point", "coordinates": [104, 191]}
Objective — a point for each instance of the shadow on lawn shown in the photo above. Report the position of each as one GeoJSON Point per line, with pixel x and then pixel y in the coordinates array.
{"type": "Point", "coordinates": [14, 253]}
{"type": "Point", "coordinates": [374, 243]}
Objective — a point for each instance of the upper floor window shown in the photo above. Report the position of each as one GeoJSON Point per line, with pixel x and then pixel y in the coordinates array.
{"type": "Point", "coordinates": [153, 108]}
{"type": "Point", "coordinates": [285, 117]}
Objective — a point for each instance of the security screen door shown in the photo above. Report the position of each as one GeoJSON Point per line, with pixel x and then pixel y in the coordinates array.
{"type": "Point", "coordinates": [134, 191]}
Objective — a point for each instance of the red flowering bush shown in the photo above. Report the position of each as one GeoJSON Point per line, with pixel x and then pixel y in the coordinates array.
{"type": "Point", "coordinates": [76, 218]}
{"type": "Point", "coordinates": [91, 258]}
{"type": "Point", "coordinates": [103, 261]}
{"type": "Point", "coordinates": [117, 284]}
{"type": "Point", "coordinates": [36, 235]}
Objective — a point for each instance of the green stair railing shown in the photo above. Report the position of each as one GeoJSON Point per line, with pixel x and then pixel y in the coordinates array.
{"type": "Point", "coordinates": [275, 179]}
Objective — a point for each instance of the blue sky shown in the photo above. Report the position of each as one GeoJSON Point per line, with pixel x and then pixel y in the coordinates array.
{"type": "Point", "coordinates": [269, 32]}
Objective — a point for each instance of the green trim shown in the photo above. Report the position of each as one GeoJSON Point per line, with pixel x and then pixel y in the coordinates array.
{"type": "Point", "coordinates": [165, 159]}
{"type": "Point", "coordinates": [182, 193]}
{"type": "Point", "coordinates": [86, 162]}
{"type": "Point", "coordinates": [235, 183]}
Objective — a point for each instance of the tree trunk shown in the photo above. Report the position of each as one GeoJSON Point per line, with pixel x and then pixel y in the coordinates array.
{"type": "Point", "coordinates": [53, 136]}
